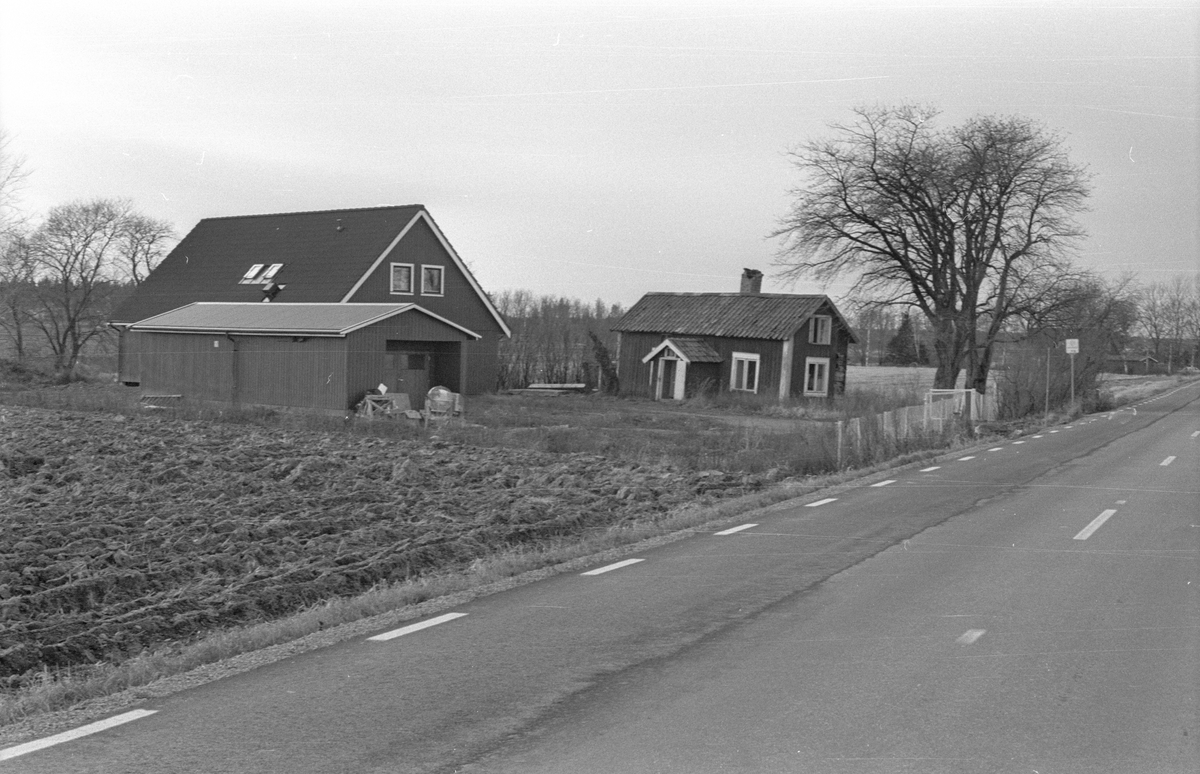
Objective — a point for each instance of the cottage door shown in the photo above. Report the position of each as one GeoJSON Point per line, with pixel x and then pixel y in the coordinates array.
{"type": "Point", "coordinates": [666, 379]}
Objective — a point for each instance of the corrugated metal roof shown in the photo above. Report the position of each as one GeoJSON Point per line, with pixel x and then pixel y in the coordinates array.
{"type": "Point", "coordinates": [774, 316]}
{"type": "Point", "coordinates": [280, 319]}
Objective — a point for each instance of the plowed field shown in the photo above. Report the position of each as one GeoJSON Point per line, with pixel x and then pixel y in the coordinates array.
{"type": "Point", "coordinates": [118, 534]}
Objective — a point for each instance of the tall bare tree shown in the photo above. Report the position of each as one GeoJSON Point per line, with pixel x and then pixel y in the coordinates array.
{"type": "Point", "coordinates": [971, 224]}
{"type": "Point", "coordinates": [80, 257]}
{"type": "Point", "coordinates": [16, 276]}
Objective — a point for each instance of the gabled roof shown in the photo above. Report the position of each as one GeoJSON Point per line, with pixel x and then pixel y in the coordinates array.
{"type": "Point", "coordinates": [774, 316]}
{"type": "Point", "coordinates": [280, 319]}
{"type": "Point", "coordinates": [326, 256]}
{"type": "Point", "coordinates": [688, 350]}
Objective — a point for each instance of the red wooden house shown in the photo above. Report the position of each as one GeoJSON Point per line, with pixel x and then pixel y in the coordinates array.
{"type": "Point", "coordinates": [246, 309]}
{"type": "Point", "coordinates": [676, 345]}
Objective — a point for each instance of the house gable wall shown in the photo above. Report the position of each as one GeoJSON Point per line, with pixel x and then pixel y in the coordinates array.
{"type": "Point", "coordinates": [459, 301]}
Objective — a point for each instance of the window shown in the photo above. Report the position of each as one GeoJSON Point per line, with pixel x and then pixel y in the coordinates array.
{"type": "Point", "coordinates": [816, 376]}
{"type": "Point", "coordinates": [249, 276]}
{"type": "Point", "coordinates": [256, 275]}
{"type": "Point", "coordinates": [431, 280]}
{"type": "Point", "coordinates": [402, 278]}
{"type": "Point", "coordinates": [745, 372]}
{"type": "Point", "coordinates": [820, 330]}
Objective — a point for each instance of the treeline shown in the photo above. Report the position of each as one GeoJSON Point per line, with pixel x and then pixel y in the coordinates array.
{"type": "Point", "coordinates": [61, 279]}
{"type": "Point", "coordinates": [1129, 327]}
{"type": "Point", "coordinates": [552, 339]}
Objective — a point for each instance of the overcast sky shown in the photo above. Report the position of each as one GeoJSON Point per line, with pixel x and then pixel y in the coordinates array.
{"type": "Point", "coordinates": [592, 150]}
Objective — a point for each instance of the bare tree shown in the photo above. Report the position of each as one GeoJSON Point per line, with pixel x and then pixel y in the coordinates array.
{"type": "Point", "coordinates": [15, 271]}
{"type": "Point", "coordinates": [969, 224]}
{"type": "Point", "coordinates": [80, 257]}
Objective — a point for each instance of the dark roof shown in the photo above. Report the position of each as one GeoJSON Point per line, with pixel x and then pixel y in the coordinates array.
{"type": "Point", "coordinates": [695, 350]}
{"type": "Point", "coordinates": [324, 254]}
{"type": "Point", "coordinates": [280, 319]}
{"type": "Point", "coordinates": [775, 316]}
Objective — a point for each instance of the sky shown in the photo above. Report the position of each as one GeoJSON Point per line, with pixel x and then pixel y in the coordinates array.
{"type": "Point", "coordinates": [585, 149]}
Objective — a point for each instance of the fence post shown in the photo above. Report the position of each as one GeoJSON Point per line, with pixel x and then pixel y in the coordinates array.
{"type": "Point", "coordinates": [839, 444]}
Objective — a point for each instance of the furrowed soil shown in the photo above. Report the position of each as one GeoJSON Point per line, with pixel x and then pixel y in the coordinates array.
{"type": "Point", "coordinates": [120, 534]}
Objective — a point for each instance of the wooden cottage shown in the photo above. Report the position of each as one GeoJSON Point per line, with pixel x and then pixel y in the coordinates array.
{"type": "Point", "coordinates": [677, 345]}
{"type": "Point", "coordinates": [246, 309]}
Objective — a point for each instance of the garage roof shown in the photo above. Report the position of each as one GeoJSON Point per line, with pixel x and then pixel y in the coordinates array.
{"type": "Point", "coordinates": [280, 319]}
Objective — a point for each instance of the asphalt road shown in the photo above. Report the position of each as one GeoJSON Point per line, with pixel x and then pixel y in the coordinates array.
{"type": "Point", "coordinates": [1027, 606]}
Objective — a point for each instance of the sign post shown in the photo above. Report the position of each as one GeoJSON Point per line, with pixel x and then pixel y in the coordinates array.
{"type": "Point", "coordinates": [1072, 350]}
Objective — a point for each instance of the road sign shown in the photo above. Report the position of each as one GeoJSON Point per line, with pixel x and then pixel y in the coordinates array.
{"type": "Point", "coordinates": [1072, 346]}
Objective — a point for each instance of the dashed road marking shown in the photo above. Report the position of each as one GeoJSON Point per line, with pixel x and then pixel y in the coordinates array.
{"type": "Point", "coordinates": [1097, 522]}
{"type": "Point", "coordinates": [998, 448]}
{"type": "Point", "coordinates": [732, 530]}
{"type": "Point", "coordinates": [1038, 436]}
{"type": "Point", "coordinates": [930, 470]}
{"type": "Point", "coordinates": [611, 567]}
{"type": "Point", "coordinates": [820, 502]}
{"type": "Point", "coordinates": [66, 736]}
{"type": "Point", "coordinates": [964, 459]}
{"type": "Point", "coordinates": [1017, 443]}
{"type": "Point", "coordinates": [1167, 461]}
{"type": "Point", "coordinates": [1196, 433]}
{"type": "Point", "coordinates": [970, 635]}
{"type": "Point", "coordinates": [884, 483]}
{"type": "Point", "coordinates": [394, 633]}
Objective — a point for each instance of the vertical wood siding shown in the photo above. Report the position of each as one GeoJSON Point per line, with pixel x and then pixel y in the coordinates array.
{"type": "Point", "coordinates": [459, 302]}
{"type": "Point", "coordinates": [635, 375]}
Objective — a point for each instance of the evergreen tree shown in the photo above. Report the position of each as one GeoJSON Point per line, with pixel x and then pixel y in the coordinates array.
{"type": "Point", "coordinates": [902, 348]}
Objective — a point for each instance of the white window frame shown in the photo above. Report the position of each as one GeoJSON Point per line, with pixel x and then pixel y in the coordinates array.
{"type": "Point", "coordinates": [820, 329]}
{"type": "Point", "coordinates": [412, 279]}
{"type": "Point", "coordinates": [251, 276]}
{"type": "Point", "coordinates": [745, 357]}
{"type": "Point", "coordinates": [441, 291]}
{"type": "Point", "coordinates": [823, 364]}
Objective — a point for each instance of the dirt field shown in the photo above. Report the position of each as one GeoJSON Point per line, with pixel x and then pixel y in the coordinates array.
{"type": "Point", "coordinates": [123, 533]}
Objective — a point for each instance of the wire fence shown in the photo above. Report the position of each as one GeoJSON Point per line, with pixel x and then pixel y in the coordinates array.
{"type": "Point", "coordinates": [944, 414]}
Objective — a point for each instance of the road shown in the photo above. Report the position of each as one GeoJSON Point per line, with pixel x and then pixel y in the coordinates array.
{"type": "Point", "coordinates": [1026, 606]}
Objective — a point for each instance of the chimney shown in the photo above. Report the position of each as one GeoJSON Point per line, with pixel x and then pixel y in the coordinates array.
{"type": "Point", "coordinates": [751, 282]}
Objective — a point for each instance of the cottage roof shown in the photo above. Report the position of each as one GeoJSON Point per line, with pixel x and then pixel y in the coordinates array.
{"type": "Point", "coordinates": [775, 316]}
{"type": "Point", "coordinates": [280, 319]}
{"type": "Point", "coordinates": [691, 350]}
{"type": "Point", "coordinates": [326, 255]}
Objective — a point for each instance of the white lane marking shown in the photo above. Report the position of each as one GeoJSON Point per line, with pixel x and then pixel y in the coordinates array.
{"type": "Point", "coordinates": [735, 529]}
{"type": "Point", "coordinates": [1097, 522]}
{"type": "Point", "coordinates": [930, 470]}
{"type": "Point", "coordinates": [394, 633]}
{"type": "Point", "coordinates": [66, 736]}
{"type": "Point", "coordinates": [884, 483]}
{"type": "Point", "coordinates": [964, 459]}
{"type": "Point", "coordinates": [1196, 433]}
{"type": "Point", "coordinates": [970, 635]}
{"type": "Point", "coordinates": [1121, 502]}
{"type": "Point", "coordinates": [820, 502]}
{"type": "Point", "coordinates": [1039, 436]}
{"type": "Point", "coordinates": [611, 567]}
{"type": "Point", "coordinates": [1167, 461]}
{"type": "Point", "coordinates": [1017, 443]}
{"type": "Point", "coordinates": [997, 448]}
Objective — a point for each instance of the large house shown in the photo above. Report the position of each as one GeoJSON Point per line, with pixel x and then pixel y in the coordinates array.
{"type": "Point", "coordinates": [310, 310]}
{"type": "Point", "coordinates": [677, 345]}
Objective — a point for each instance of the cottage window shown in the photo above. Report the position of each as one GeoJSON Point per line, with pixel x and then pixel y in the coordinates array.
{"type": "Point", "coordinates": [431, 280]}
{"type": "Point", "coordinates": [745, 372]}
{"type": "Point", "coordinates": [402, 278]}
{"type": "Point", "coordinates": [816, 376]}
{"type": "Point", "coordinates": [820, 330]}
